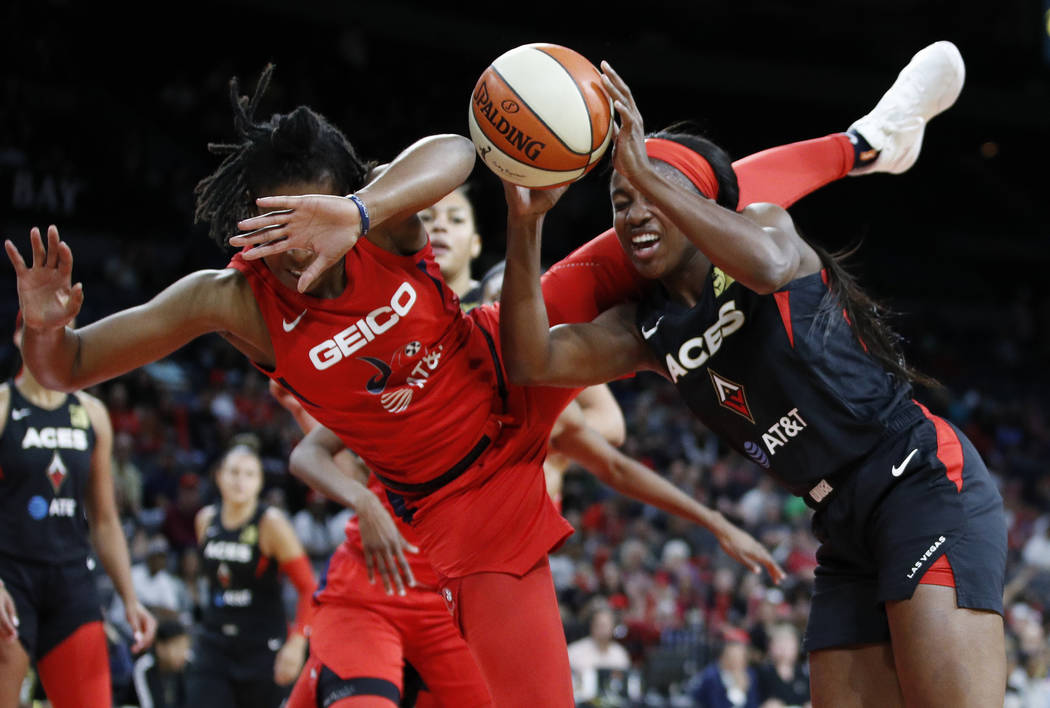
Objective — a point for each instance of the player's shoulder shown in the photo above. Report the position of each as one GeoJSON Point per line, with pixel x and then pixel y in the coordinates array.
{"type": "Point", "coordinates": [96, 410]}
{"type": "Point", "coordinates": [5, 404]}
{"type": "Point", "coordinates": [204, 518]}
{"type": "Point", "coordinates": [766, 214]}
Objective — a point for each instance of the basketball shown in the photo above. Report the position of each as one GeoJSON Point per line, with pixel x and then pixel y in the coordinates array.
{"type": "Point", "coordinates": [539, 116]}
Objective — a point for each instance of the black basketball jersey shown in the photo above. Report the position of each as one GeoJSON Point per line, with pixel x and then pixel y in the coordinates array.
{"type": "Point", "coordinates": [244, 591]}
{"type": "Point", "coordinates": [782, 378]}
{"type": "Point", "coordinates": [45, 465]}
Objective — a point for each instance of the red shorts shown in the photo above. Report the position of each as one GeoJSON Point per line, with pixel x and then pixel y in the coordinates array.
{"type": "Point", "coordinates": [363, 636]}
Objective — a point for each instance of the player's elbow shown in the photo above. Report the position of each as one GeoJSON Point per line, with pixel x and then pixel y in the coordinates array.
{"type": "Point", "coordinates": [775, 273]}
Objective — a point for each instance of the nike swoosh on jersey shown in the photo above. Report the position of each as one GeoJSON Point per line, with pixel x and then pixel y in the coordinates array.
{"type": "Point", "coordinates": [898, 470]}
{"type": "Point", "coordinates": [650, 332]}
{"type": "Point", "coordinates": [20, 413]}
{"type": "Point", "coordinates": [289, 326]}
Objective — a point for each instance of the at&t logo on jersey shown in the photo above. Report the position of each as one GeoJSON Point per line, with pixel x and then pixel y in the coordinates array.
{"type": "Point", "coordinates": [695, 352]}
{"type": "Point", "coordinates": [783, 431]}
{"type": "Point", "coordinates": [368, 328]}
{"type": "Point", "coordinates": [62, 507]}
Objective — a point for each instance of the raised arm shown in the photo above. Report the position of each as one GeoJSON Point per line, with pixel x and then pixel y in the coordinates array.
{"type": "Point", "coordinates": [758, 247]}
{"type": "Point", "coordinates": [65, 359]}
{"type": "Point", "coordinates": [569, 354]}
{"type": "Point", "coordinates": [330, 226]}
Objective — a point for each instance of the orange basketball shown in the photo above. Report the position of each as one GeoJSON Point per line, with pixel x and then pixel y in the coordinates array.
{"type": "Point", "coordinates": [539, 116]}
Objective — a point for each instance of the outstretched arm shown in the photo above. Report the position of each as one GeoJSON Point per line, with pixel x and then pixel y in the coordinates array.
{"type": "Point", "coordinates": [570, 354]}
{"type": "Point", "coordinates": [631, 478]}
{"type": "Point", "coordinates": [330, 226]}
{"type": "Point", "coordinates": [763, 257]}
{"type": "Point", "coordinates": [65, 359]}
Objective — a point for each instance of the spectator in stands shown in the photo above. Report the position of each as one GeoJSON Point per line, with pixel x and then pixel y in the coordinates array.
{"type": "Point", "coordinates": [312, 527]}
{"type": "Point", "coordinates": [598, 650]}
{"type": "Point", "coordinates": [157, 589]}
{"type": "Point", "coordinates": [782, 681]}
{"type": "Point", "coordinates": [729, 682]}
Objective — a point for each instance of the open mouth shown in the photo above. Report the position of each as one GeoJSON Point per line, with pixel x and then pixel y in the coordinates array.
{"type": "Point", "coordinates": [644, 245]}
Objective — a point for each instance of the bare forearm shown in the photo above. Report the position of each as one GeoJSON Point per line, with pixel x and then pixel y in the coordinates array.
{"type": "Point", "coordinates": [52, 355]}
{"type": "Point", "coordinates": [317, 468]}
{"type": "Point", "coordinates": [112, 549]}
{"type": "Point", "coordinates": [524, 328]}
{"type": "Point", "coordinates": [422, 174]}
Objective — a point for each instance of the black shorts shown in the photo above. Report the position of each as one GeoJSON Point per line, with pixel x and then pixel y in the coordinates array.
{"type": "Point", "coordinates": [53, 600]}
{"type": "Point", "coordinates": [924, 493]}
{"type": "Point", "coordinates": [234, 672]}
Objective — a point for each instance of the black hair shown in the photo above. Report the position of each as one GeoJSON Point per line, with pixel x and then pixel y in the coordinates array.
{"type": "Point", "coordinates": [169, 629]}
{"type": "Point", "coordinates": [301, 146]}
{"type": "Point", "coordinates": [868, 317]}
{"type": "Point", "coordinates": [721, 165]}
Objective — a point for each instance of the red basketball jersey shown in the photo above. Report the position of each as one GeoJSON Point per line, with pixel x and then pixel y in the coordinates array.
{"type": "Point", "coordinates": [391, 366]}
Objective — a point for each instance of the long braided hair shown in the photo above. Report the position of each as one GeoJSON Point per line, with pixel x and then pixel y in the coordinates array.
{"type": "Point", "coordinates": [301, 146]}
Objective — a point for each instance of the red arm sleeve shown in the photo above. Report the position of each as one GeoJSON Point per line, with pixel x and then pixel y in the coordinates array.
{"type": "Point", "coordinates": [301, 574]}
{"type": "Point", "coordinates": [590, 280]}
{"type": "Point", "coordinates": [784, 174]}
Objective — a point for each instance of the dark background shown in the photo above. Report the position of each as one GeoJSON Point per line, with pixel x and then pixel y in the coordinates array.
{"type": "Point", "coordinates": [106, 117]}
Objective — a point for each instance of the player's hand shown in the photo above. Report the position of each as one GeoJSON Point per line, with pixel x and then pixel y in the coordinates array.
{"type": "Point", "coordinates": [324, 224]}
{"type": "Point", "coordinates": [524, 202]}
{"type": "Point", "coordinates": [384, 546]}
{"type": "Point", "coordinates": [744, 548]}
{"type": "Point", "coordinates": [143, 625]}
{"type": "Point", "coordinates": [47, 298]}
{"type": "Point", "coordinates": [629, 157]}
{"type": "Point", "coordinates": [8, 617]}
{"type": "Point", "coordinates": [289, 660]}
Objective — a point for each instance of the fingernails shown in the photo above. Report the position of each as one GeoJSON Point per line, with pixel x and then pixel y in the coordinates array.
{"type": "Point", "coordinates": [138, 637]}
{"type": "Point", "coordinates": [401, 592]}
{"type": "Point", "coordinates": [14, 620]}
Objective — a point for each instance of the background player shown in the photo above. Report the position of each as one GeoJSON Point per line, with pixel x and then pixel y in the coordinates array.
{"type": "Point", "coordinates": [242, 656]}
{"type": "Point", "coordinates": [910, 578]}
{"type": "Point", "coordinates": [56, 504]}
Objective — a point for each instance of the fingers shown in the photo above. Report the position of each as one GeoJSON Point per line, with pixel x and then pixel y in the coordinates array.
{"type": "Point", "coordinates": [64, 257]}
{"type": "Point", "coordinates": [263, 235]}
{"type": "Point", "coordinates": [52, 247]}
{"type": "Point", "coordinates": [775, 571]}
{"type": "Point", "coordinates": [278, 202]}
{"type": "Point", "coordinates": [8, 621]}
{"type": "Point", "coordinates": [270, 247]}
{"type": "Point", "coordinates": [370, 567]}
{"type": "Point", "coordinates": [378, 563]}
{"type": "Point", "coordinates": [270, 218]}
{"type": "Point", "coordinates": [15, 257]}
{"type": "Point", "coordinates": [405, 568]}
{"type": "Point", "coordinates": [36, 245]}
{"type": "Point", "coordinates": [395, 572]}
{"type": "Point", "coordinates": [313, 272]}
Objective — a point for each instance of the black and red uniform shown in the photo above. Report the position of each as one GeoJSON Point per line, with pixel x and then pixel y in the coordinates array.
{"type": "Point", "coordinates": [45, 467]}
{"type": "Point", "coordinates": [784, 379]}
{"type": "Point", "coordinates": [243, 623]}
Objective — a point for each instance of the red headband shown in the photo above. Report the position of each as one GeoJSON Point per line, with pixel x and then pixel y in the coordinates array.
{"type": "Point", "coordinates": [686, 161]}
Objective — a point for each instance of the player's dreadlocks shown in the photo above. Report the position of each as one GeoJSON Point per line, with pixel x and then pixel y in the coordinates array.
{"type": "Point", "coordinates": [301, 146]}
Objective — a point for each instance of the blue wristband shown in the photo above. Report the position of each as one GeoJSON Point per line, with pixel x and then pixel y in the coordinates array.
{"type": "Point", "coordinates": [365, 221]}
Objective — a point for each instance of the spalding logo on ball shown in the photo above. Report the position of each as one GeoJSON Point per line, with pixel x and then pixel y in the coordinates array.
{"type": "Point", "coordinates": [539, 116]}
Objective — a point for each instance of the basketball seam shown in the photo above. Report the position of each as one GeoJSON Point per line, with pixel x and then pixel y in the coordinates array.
{"type": "Point", "coordinates": [587, 106]}
{"type": "Point", "coordinates": [543, 122]}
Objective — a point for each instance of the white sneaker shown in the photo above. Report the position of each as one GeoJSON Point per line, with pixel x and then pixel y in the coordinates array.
{"type": "Point", "coordinates": [928, 85]}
